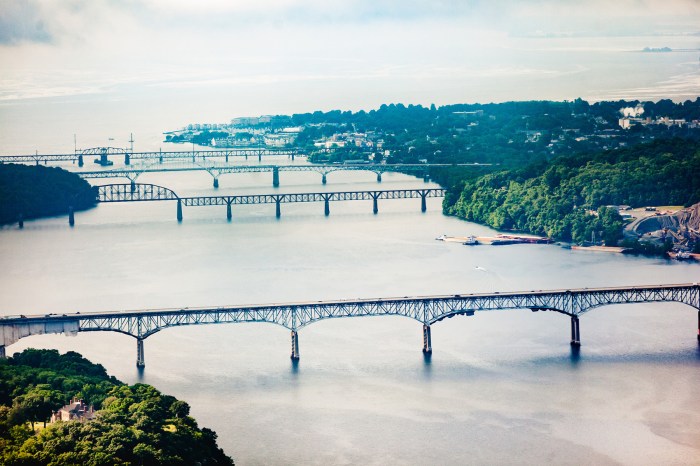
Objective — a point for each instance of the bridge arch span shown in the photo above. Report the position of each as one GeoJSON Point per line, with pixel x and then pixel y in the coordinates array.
{"type": "Point", "coordinates": [315, 319]}
{"type": "Point", "coordinates": [184, 324]}
{"type": "Point", "coordinates": [688, 303]}
{"type": "Point", "coordinates": [130, 192]}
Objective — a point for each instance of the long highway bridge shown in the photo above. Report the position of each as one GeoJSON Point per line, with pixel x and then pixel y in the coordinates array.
{"type": "Point", "coordinates": [140, 192]}
{"type": "Point", "coordinates": [102, 155]}
{"type": "Point", "coordinates": [427, 310]}
{"type": "Point", "coordinates": [216, 170]}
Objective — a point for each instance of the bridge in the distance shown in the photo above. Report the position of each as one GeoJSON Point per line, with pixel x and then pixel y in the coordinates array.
{"type": "Point", "coordinates": [102, 155]}
{"type": "Point", "coordinates": [216, 170]}
{"type": "Point", "coordinates": [138, 192]}
{"type": "Point", "coordinates": [427, 310]}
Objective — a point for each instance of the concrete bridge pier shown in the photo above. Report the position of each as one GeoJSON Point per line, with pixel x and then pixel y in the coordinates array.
{"type": "Point", "coordinates": [423, 206]}
{"type": "Point", "coordinates": [179, 210]}
{"type": "Point", "coordinates": [427, 340]}
{"type": "Point", "coordinates": [575, 332]}
{"type": "Point", "coordinates": [80, 160]}
{"type": "Point", "coordinates": [259, 156]}
{"type": "Point", "coordinates": [327, 207]}
{"type": "Point", "coordinates": [20, 221]}
{"type": "Point", "coordinates": [278, 210]}
{"type": "Point", "coordinates": [292, 156]}
{"type": "Point", "coordinates": [379, 177]}
{"type": "Point", "coordinates": [375, 205]}
{"type": "Point", "coordinates": [133, 186]}
{"type": "Point", "coordinates": [127, 158]}
{"type": "Point", "coordinates": [426, 177]}
{"type": "Point", "coordinates": [140, 355]}
{"type": "Point", "coordinates": [295, 346]}
{"type": "Point", "coordinates": [323, 179]}
{"type": "Point", "coordinates": [226, 157]}
{"type": "Point", "coordinates": [216, 182]}
{"type": "Point", "coordinates": [276, 177]}
{"type": "Point", "coordinates": [71, 216]}
{"type": "Point", "coordinates": [228, 212]}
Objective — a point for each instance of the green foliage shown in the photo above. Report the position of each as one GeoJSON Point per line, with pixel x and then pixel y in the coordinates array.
{"type": "Point", "coordinates": [37, 191]}
{"type": "Point", "coordinates": [566, 199]}
{"type": "Point", "coordinates": [137, 424]}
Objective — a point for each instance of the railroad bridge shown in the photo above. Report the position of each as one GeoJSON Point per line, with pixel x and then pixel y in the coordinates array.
{"type": "Point", "coordinates": [427, 310]}
{"type": "Point", "coordinates": [103, 154]}
{"type": "Point", "coordinates": [136, 192]}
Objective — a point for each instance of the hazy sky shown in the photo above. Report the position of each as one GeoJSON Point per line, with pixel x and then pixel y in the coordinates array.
{"type": "Point", "coordinates": [305, 54]}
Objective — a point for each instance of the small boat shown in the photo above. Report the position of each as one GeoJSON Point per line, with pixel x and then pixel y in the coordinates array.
{"type": "Point", "coordinates": [680, 256]}
{"type": "Point", "coordinates": [471, 241]}
{"type": "Point", "coordinates": [441, 238]}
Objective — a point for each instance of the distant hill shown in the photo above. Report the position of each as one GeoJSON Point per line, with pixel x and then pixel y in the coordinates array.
{"type": "Point", "coordinates": [38, 191]}
{"type": "Point", "coordinates": [566, 199]}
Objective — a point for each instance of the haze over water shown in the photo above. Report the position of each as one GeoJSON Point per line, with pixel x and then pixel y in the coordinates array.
{"type": "Point", "coordinates": [501, 387]}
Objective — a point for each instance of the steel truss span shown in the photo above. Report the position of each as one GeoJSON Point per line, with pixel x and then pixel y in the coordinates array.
{"type": "Point", "coordinates": [125, 192]}
{"type": "Point", "coordinates": [294, 316]}
{"type": "Point", "coordinates": [157, 155]}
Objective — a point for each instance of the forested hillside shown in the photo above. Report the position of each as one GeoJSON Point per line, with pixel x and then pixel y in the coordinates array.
{"type": "Point", "coordinates": [135, 425]}
{"type": "Point", "coordinates": [37, 191]}
{"type": "Point", "coordinates": [557, 199]}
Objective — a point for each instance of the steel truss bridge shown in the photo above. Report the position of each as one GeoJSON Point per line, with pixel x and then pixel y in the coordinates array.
{"type": "Point", "coordinates": [102, 155]}
{"type": "Point", "coordinates": [216, 170]}
{"type": "Point", "coordinates": [427, 310]}
{"type": "Point", "coordinates": [136, 192]}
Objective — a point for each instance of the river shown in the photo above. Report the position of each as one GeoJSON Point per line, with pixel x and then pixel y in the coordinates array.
{"type": "Point", "coordinates": [501, 387]}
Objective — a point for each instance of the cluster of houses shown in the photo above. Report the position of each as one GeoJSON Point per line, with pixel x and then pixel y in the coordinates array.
{"type": "Point", "coordinates": [632, 116]}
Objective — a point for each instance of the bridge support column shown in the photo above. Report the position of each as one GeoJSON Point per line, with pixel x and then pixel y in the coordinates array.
{"type": "Point", "coordinates": [292, 156]}
{"type": "Point", "coordinates": [20, 221]}
{"type": "Point", "coordinates": [426, 177]}
{"type": "Point", "coordinates": [327, 208]}
{"type": "Point", "coordinates": [80, 161]}
{"type": "Point", "coordinates": [127, 159]}
{"type": "Point", "coordinates": [216, 183]}
{"type": "Point", "coordinates": [575, 332]}
{"type": "Point", "coordinates": [260, 156]}
{"type": "Point", "coordinates": [323, 179]}
{"type": "Point", "coordinates": [2, 352]}
{"type": "Point", "coordinates": [133, 186]}
{"type": "Point", "coordinates": [295, 346]}
{"type": "Point", "coordinates": [375, 205]}
{"type": "Point", "coordinates": [278, 210]}
{"type": "Point", "coordinates": [179, 210]}
{"type": "Point", "coordinates": [226, 157]}
{"type": "Point", "coordinates": [379, 177]}
{"type": "Point", "coordinates": [140, 356]}
{"type": "Point", "coordinates": [276, 177]}
{"type": "Point", "coordinates": [228, 212]}
{"type": "Point", "coordinates": [423, 206]}
{"type": "Point", "coordinates": [427, 340]}
{"type": "Point", "coordinates": [71, 216]}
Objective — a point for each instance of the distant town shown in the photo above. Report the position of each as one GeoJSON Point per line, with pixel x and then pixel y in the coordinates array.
{"type": "Point", "coordinates": [494, 133]}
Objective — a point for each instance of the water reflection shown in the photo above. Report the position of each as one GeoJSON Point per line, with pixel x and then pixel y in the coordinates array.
{"type": "Point", "coordinates": [575, 355]}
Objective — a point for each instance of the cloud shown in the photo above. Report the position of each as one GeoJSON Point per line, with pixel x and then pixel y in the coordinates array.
{"type": "Point", "coordinates": [21, 21]}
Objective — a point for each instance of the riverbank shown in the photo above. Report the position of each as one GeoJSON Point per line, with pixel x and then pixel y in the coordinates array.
{"type": "Point", "coordinates": [29, 192]}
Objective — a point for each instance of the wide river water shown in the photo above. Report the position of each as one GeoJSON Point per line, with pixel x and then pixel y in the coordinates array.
{"type": "Point", "coordinates": [501, 387]}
